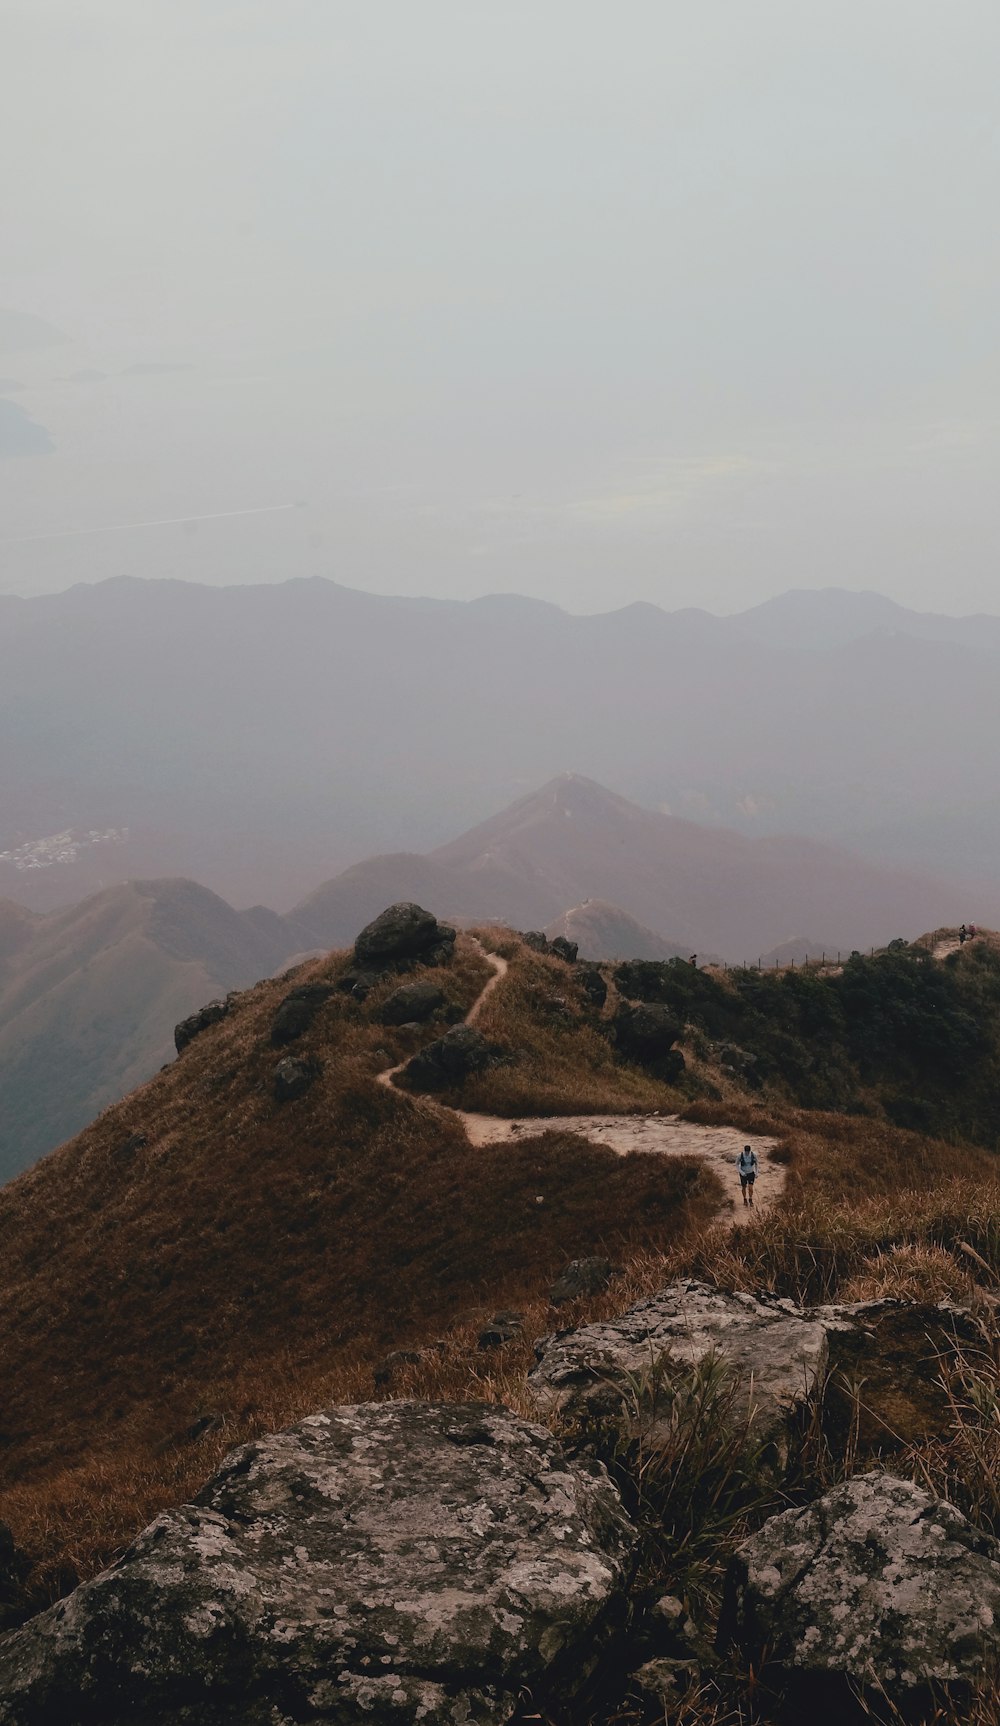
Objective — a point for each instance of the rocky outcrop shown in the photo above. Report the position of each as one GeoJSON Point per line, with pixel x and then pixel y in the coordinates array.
{"type": "Point", "coordinates": [561, 948]}
{"type": "Point", "coordinates": [400, 935]}
{"type": "Point", "coordinates": [450, 1059]}
{"type": "Point", "coordinates": [593, 985]}
{"type": "Point", "coordinates": [646, 1035]}
{"type": "Point", "coordinates": [192, 1027]}
{"type": "Point", "coordinates": [14, 1568]}
{"type": "Point", "coordinates": [297, 1012]}
{"type": "Point", "coordinates": [877, 1583]}
{"type": "Point", "coordinates": [293, 1078]}
{"type": "Point", "coordinates": [589, 1276]}
{"type": "Point", "coordinates": [775, 1353]}
{"type": "Point", "coordinates": [411, 1004]}
{"type": "Point", "coordinates": [393, 1562]}
{"type": "Point", "coordinates": [899, 1350]}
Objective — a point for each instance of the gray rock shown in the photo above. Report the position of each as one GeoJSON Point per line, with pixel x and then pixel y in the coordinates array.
{"type": "Point", "coordinates": [450, 1059]}
{"type": "Point", "coordinates": [589, 1276]}
{"type": "Point", "coordinates": [592, 983]}
{"type": "Point", "coordinates": [776, 1354]}
{"type": "Point", "coordinates": [663, 1681]}
{"type": "Point", "coordinates": [561, 948]}
{"type": "Point", "coordinates": [393, 1563]}
{"type": "Point", "coordinates": [298, 1010]}
{"type": "Point", "coordinates": [503, 1327]}
{"type": "Point", "coordinates": [877, 1583]}
{"type": "Point", "coordinates": [401, 933]}
{"type": "Point", "coordinates": [411, 1004]}
{"type": "Point", "coordinates": [536, 940]}
{"type": "Point", "coordinates": [644, 1033]}
{"type": "Point", "coordinates": [192, 1027]}
{"type": "Point", "coordinates": [293, 1077]}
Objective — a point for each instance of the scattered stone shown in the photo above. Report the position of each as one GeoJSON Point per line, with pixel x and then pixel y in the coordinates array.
{"type": "Point", "coordinates": [644, 1033]}
{"type": "Point", "coordinates": [391, 1562]}
{"type": "Point", "coordinates": [401, 934]}
{"type": "Point", "coordinates": [503, 1327]}
{"type": "Point", "coordinates": [589, 1276]}
{"type": "Point", "coordinates": [560, 948]}
{"type": "Point", "coordinates": [359, 984]}
{"type": "Point", "coordinates": [293, 1077]}
{"type": "Point", "coordinates": [877, 1584]}
{"type": "Point", "coordinates": [593, 985]}
{"type": "Point", "coordinates": [663, 1680]}
{"type": "Point", "coordinates": [298, 1010]}
{"type": "Point", "coordinates": [534, 939]}
{"type": "Point", "coordinates": [776, 1353]}
{"type": "Point", "coordinates": [192, 1027]}
{"type": "Point", "coordinates": [450, 1059]}
{"type": "Point", "coordinates": [397, 1358]}
{"type": "Point", "coordinates": [204, 1425]}
{"type": "Point", "coordinates": [411, 1004]}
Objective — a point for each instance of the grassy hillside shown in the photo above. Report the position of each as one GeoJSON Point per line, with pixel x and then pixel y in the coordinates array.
{"type": "Point", "coordinates": [251, 1260]}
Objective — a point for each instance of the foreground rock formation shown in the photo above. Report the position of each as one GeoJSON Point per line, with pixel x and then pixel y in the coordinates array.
{"type": "Point", "coordinates": [389, 1562]}
{"type": "Point", "coordinates": [776, 1353]}
{"type": "Point", "coordinates": [877, 1583]}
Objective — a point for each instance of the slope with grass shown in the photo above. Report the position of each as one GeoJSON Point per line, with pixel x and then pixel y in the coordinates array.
{"type": "Point", "coordinates": [205, 1256]}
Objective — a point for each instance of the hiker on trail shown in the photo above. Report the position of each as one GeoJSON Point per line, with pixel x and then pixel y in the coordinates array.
{"type": "Point", "coordinates": [973, 931]}
{"type": "Point", "coordinates": [746, 1164]}
{"type": "Point", "coordinates": [963, 935]}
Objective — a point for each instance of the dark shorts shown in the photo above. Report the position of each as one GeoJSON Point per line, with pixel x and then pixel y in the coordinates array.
{"type": "Point", "coordinates": [747, 1180]}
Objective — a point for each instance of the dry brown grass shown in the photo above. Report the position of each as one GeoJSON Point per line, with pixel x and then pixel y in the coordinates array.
{"type": "Point", "coordinates": [255, 1261]}
{"type": "Point", "coordinates": [561, 1063]}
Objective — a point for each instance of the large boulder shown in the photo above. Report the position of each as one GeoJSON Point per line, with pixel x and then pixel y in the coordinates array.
{"type": "Point", "coordinates": [589, 1276]}
{"type": "Point", "coordinates": [901, 1351]}
{"type": "Point", "coordinates": [775, 1353]}
{"type": "Point", "coordinates": [461, 1052]}
{"type": "Point", "coordinates": [192, 1027]}
{"type": "Point", "coordinates": [298, 1010]}
{"type": "Point", "coordinates": [401, 934]}
{"type": "Point", "coordinates": [392, 1563]}
{"type": "Point", "coordinates": [294, 1077]}
{"type": "Point", "coordinates": [644, 1033]}
{"type": "Point", "coordinates": [411, 1004]}
{"type": "Point", "coordinates": [877, 1584]}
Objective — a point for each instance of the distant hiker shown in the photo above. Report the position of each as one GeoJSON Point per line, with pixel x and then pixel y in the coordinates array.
{"type": "Point", "coordinates": [746, 1164]}
{"type": "Point", "coordinates": [963, 935]}
{"type": "Point", "coordinates": [693, 960]}
{"type": "Point", "coordinates": [973, 931]}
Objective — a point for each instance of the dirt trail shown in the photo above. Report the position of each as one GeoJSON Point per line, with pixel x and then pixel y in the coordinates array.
{"type": "Point", "coordinates": [656, 1135]}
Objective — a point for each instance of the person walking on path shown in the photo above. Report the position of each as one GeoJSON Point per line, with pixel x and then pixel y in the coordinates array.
{"type": "Point", "coordinates": [746, 1164]}
{"type": "Point", "coordinates": [963, 935]}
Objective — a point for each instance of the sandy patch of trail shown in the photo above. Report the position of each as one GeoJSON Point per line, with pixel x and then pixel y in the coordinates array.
{"type": "Point", "coordinates": [656, 1135]}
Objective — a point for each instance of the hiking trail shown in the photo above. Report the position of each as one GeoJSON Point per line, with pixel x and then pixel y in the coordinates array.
{"type": "Point", "coordinates": [655, 1135]}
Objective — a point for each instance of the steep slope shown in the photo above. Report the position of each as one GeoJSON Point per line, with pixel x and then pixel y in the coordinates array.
{"type": "Point", "coordinates": [89, 998]}
{"type": "Point", "coordinates": [205, 1260]}
{"type": "Point", "coordinates": [699, 887]}
{"type": "Point", "coordinates": [258, 738]}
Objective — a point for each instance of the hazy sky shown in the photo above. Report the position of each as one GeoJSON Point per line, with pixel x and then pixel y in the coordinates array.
{"type": "Point", "coordinates": [689, 302]}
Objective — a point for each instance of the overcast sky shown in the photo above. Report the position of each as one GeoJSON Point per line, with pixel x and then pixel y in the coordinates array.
{"type": "Point", "coordinates": [682, 300]}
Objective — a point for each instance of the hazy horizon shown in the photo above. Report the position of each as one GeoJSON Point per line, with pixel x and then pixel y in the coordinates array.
{"type": "Point", "coordinates": [685, 305]}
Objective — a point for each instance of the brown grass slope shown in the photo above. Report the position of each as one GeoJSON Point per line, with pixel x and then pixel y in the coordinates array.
{"type": "Point", "coordinates": [253, 1261]}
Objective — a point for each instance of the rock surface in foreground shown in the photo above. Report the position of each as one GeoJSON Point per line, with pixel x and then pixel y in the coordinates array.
{"type": "Point", "coordinates": [775, 1351]}
{"type": "Point", "coordinates": [390, 1562]}
{"type": "Point", "coordinates": [877, 1583]}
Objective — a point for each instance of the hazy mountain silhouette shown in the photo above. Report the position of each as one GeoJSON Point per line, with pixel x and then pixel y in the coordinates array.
{"type": "Point", "coordinates": [695, 887]}
{"type": "Point", "coordinates": [89, 998]}
{"type": "Point", "coordinates": [260, 738]}
{"type": "Point", "coordinates": [819, 619]}
{"type": "Point", "coordinates": [20, 435]}
{"type": "Point", "coordinates": [21, 332]}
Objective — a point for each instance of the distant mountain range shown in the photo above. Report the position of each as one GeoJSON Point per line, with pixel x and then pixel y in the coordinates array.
{"type": "Point", "coordinates": [89, 996]}
{"type": "Point", "coordinates": [257, 738]}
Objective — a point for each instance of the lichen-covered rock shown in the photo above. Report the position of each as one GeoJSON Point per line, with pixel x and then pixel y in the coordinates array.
{"type": "Point", "coordinates": [192, 1027]}
{"type": "Point", "coordinates": [298, 1010]}
{"type": "Point", "coordinates": [411, 1004]}
{"type": "Point", "coordinates": [877, 1583]}
{"type": "Point", "coordinates": [392, 1563]}
{"type": "Point", "coordinates": [775, 1352]}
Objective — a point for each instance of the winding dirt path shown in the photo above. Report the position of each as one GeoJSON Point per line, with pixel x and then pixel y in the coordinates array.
{"type": "Point", "coordinates": [656, 1135]}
